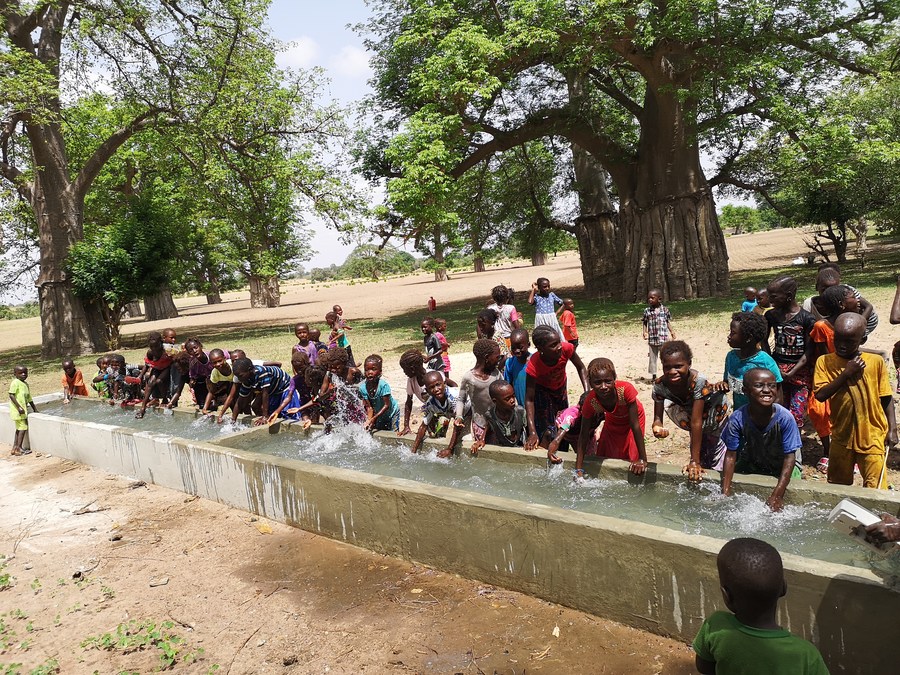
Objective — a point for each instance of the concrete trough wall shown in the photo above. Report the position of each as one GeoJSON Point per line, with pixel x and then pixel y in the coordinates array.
{"type": "Point", "coordinates": [641, 575]}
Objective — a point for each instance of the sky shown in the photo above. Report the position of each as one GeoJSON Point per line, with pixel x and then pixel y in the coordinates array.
{"type": "Point", "coordinates": [318, 34]}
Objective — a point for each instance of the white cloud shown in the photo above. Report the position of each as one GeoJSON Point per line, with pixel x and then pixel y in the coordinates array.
{"type": "Point", "coordinates": [299, 53]}
{"type": "Point", "coordinates": [351, 61]}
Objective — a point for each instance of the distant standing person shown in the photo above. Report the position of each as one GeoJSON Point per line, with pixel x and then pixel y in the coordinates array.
{"type": "Point", "coordinates": [544, 301]}
{"type": "Point", "coordinates": [657, 329]}
{"type": "Point", "coordinates": [567, 319]}
{"type": "Point", "coordinates": [750, 299]}
{"type": "Point", "coordinates": [19, 400]}
{"type": "Point", "coordinates": [507, 317]}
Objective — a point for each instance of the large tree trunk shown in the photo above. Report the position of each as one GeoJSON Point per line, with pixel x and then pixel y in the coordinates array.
{"type": "Point", "coordinates": [672, 238]}
{"type": "Point", "coordinates": [538, 258]}
{"type": "Point", "coordinates": [596, 229]}
{"type": "Point", "coordinates": [478, 262]}
{"type": "Point", "coordinates": [213, 295]}
{"type": "Point", "coordinates": [133, 309]}
{"type": "Point", "coordinates": [264, 291]}
{"type": "Point", "coordinates": [69, 326]}
{"type": "Point", "coordinates": [440, 272]}
{"type": "Point", "coordinates": [160, 305]}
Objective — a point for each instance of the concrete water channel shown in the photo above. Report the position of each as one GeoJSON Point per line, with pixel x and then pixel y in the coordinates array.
{"type": "Point", "coordinates": [636, 550]}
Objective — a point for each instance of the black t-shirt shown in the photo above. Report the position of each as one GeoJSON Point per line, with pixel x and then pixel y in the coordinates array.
{"type": "Point", "coordinates": [791, 336]}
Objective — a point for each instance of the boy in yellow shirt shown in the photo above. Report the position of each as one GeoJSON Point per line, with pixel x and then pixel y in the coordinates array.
{"type": "Point", "coordinates": [19, 400]}
{"type": "Point", "coordinates": [857, 386]}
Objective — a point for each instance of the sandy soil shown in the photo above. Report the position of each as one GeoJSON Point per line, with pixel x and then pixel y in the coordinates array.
{"type": "Point", "coordinates": [277, 601]}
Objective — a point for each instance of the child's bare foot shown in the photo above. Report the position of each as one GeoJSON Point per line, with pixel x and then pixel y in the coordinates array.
{"type": "Point", "coordinates": [19, 452]}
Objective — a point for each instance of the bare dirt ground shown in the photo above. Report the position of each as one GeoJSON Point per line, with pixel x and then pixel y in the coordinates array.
{"type": "Point", "coordinates": [290, 601]}
{"type": "Point", "coordinates": [259, 597]}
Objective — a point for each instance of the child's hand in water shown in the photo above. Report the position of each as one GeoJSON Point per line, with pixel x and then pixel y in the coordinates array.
{"type": "Point", "coordinates": [531, 442]}
{"type": "Point", "coordinates": [638, 467]}
{"type": "Point", "coordinates": [476, 446]}
{"type": "Point", "coordinates": [693, 471]}
{"type": "Point", "coordinates": [272, 418]}
{"type": "Point", "coordinates": [306, 424]}
{"type": "Point", "coordinates": [659, 431]}
{"type": "Point", "coordinates": [220, 418]}
{"type": "Point", "coordinates": [551, 456]}
{"type": "Point", "coordinates": [775, 503]}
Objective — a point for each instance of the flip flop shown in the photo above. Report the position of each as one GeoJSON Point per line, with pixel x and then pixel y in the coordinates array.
{"type": "Point", "coordinates": [822, 466]}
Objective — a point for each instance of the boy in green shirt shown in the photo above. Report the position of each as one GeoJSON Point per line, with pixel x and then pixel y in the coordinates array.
{"type": "Point", "coordinates": [749, 641]}
{"type": "Point", "coordinates": [19, 399]}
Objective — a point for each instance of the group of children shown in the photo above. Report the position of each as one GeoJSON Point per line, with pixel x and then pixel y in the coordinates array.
{"type": "Point", "coordinates": [513, 397]}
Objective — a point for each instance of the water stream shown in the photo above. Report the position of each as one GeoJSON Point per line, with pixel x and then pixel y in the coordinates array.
{"type": "Point", "coordinates": [180, 425]}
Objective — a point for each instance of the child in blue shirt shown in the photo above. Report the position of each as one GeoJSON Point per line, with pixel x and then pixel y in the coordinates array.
{"type": "Point", "coordinates": [749, 303]}
{"type": "Point", "coordinates": [382, 411]}
{"type": "Point", "coordinates": [748, 330]}
{"type": "Point", "coordinates": [514, 370]}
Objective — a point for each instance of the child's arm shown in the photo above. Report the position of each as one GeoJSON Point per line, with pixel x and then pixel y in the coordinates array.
{"type": "Point", "coordinates": [854, 368]}
{"type": "Point", "coordinates": [693, 469]}
{"type": "Point", "coordinates": [895, 306]}
{"type": "Point", "coordinates": [420, 436]}
{"type": "Point", "coordinates": [640, 466]}
{"type": "Point", "coordinates": [553, 446]}
{"type": "Point", "coordinates": [531, 294]}
{"type": "Point", "coordinates": [284, 403]}
{"type": "Point", "coordinates": [16, 404]}
{"type": "Point", "coordinates": [210, 397]}
{"type": "Point", "coordinates": [488, 438]}
{"type": "Point", "coordinates": [274, 364]}
{"type": "Point", "coordinates": [671, 328]}
{"type": "Point", "coordinates": [455, 433]}
{"type": "Point", "coordinates": [728, 471]}
{"type": "Point", "coordinates": [407, 410]}
{"type": "Point", "coordinates": [582, 371]}
{"type": "Point", "coordinates": [865, 308]}
{"type": "Point", "coordinates": [659, 431]}
{"type": "Point", "coordinates": [264, 408]}
{"type": "Point", "coordinates": [583, 435]}
{"type": "Point", "coordinates": [776, 500]}
{"type": "Point", "coordinates": [532, 441]}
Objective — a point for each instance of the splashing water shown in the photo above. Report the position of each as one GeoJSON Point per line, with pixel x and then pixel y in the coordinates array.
{"type": "Point", "coordinates": [692, 509]}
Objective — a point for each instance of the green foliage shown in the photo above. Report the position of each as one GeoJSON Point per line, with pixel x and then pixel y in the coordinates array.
{"type": "Point", "coordinates": [121, 262]}
{"type": "Point", "coordinates": [137, 636]}
{"type": "Point", "coordinates": [23, 311]}
{"type": "Point", "coordinates": [740, 219]}
{"type": "Point", "coordinates": [6, 579]}
{"type": "Point", "coordinates": [368, 261]}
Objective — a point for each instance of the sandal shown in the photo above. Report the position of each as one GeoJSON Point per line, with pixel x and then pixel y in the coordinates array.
{"type": "Point", "coordinates": [822, 466]}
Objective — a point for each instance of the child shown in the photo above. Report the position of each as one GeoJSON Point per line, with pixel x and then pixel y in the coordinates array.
{"type": "Point", "coordinates": [304, 343]}
{"type": "Point", "coordinates": [100, 383]}
{"type": "Point", "coordinates": [298, 394]}
{"type": "Point", "coordinates": [343, 325]}
{"type": "Point", "coordinates": [474, 387]}
{"type": "Point", "coordinates": [156, 370]}
{"type": "Point", "coordinates": [751, 576]}
{"type": "Point", "coordinates": [19, 400]}
{"type": "Point", "coordinates": [567, 319]}
{"type": "Point", "coordinates": [116, 381]}
{"type": "Point", "coordinates": [568, 431]}
{"type": "Point", "coordinates": [833, 301]}
{"type": "Point", "coordinates": [694, 405]}
{"type": "Point", "coordinates": [432, 356]}
{"type": "Point", "coordinates": [830, 275]}
{"type": "Point", "coordinates": [200, 369]}
{"type": "Point", "coordinates": [747, 331]}
{"type": "Point", "coordinates": [338, 336]}
{"type": "Point", "coordinates": [440, 332]}
{"type": "Point", "coordinates": [270, 382]}
{"type": "Point", "coordinates": [72, 381]}
{"type": "Point", "coordinates": [219, 384]}
{"type": "Point", "coordinates": [382, 411]}
{"type": "Point", "coordinates": [514, 368]}
{"type": "Point", "coordinates": [486, 323]}
{"type": "Point", "coordinates": [615, 402]}
{"type": "Point", "coordinates": [763, 304]}
{"type": "Point", "coordinates": [314, 336]}
{"type": "Point", "coordinates": [856, 385]}
{"type": "Point", "coordinates": [181, 365]}
{"type": "Point", "coordinates": [168, 338]}
{"type": "Point", "coordinates": [507, 317]}
{"type": "Point", "coordinates": [338, 401]}
{"type": "Point", "coordinates": [545, 385]}
{"type": "Point", "coordinates": [750, 301]}
{"type": "Point", "coordinates": [657, 328]}
{"type": "Point", "coordinates": [543, 300]}
{"type": "Point", "coordinates": [793, 348]}
{"type": "Point", "coordinates": [439, 411]}
{"type": "Point", "coordinates": [761, 437]}
{"type": "Point", "coordinates": [505, 418]}
{"type": "Point", "coordinates": [413, 366]}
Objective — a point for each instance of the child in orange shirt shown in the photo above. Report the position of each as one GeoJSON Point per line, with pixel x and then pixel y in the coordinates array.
{"type": "Point", "coordinates": [567, 319]}
{"type": "Point", "coordinates": [72, 381]}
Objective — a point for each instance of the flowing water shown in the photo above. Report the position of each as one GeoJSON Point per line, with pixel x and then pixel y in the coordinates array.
{"type": "Point", "coordinates": [802, 530]}
{"type": "Point", "coordinates": [180, 425]}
